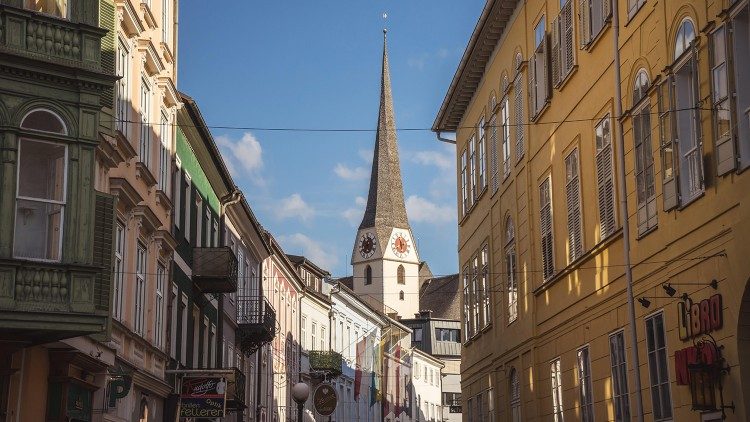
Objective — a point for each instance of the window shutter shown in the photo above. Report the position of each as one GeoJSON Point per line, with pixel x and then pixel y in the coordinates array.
{"type": "Point", "coordinates": [556, 53]}
{"type": "Point", "coordinates": [583, 23]}
{"type": "Point", "coordinates": [566, 39]}
{"type": "Point", "coordinates": [545, 70]}
{"type": "Point", "coordinates": [573, 197]}
{"type": "Point", "coordinates": [667, 144]}
{"type": "Point", "coordinates": [548, 267]}
{"type": "Point", "coordinates": [519, 117]}
{"type": "Point", "coordinates": [107, 21]}
{"type": "Point", "coordinates": [532, 87]}
{"type": "Point", "coordinates": [494, 148]}
{"type": "Point", "coordinates": [606, 10]}
{"type": "Point", "coordinates": [104, 239]}
{"type": "Point", "coordinates": [697, 103]}
{"type": "Point", "coordinates": [726, 154]}
{"type": "Point", "coordinates": [605, 186]}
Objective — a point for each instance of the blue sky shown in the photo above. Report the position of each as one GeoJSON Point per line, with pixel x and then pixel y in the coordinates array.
{"type": "Point", "coordinates": [316, 64]}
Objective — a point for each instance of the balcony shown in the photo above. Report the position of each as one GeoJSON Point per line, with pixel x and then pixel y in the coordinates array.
{"type": "Point", "coordinates": [236, 390]}
{"type": "Point", "coordinates": [326, 361]}
{"type": "Point", "coordinates": [256, 323]}
{"type": "Point", "coordinates": [215, 270]}
{"type": "Point", "coordinates": [42, 302]}
{"type": "Point", "coordinates": [39, 36]}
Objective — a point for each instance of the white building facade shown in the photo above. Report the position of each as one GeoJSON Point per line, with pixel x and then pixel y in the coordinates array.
{"type": "Point", "coordinates": [426, 387]}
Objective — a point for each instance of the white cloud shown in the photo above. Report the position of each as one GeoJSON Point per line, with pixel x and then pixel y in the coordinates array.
{"type": "Point", "coordinates": [354, 214]}
{"type": "Point", "coordinates": [244, 155]}
{"type": "Point", "coordinates": [422, 210]}
{"type": "Point", "coordinates": [420, 61]}
{"type": "Point", "coordinates": [366, 155]}
{"type": "Point", "coordinates": [312, 250]}
{"type": "Point", "coordinates": [434, 158]}
{"type": "Point", "coordinates": [348, 173]}
{"type": "Point", "coordinates": [294, 206]}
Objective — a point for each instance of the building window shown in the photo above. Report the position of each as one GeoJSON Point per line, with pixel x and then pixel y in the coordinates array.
{"type": "Point", "coordinates": [511, 271]}
{"type": "Point", "coordinates": [401, 295]}
{"type": "Point", "coordinates": [584, 388]}
{"type": "Point", "coordinates": [592, 16]}
{"type": "Point", "coordinates": [184, 329]}
{"type": "Point", "coordinates": [518, 108]}
{"type": "Point", "coordinates": [661, 400]}
{"type": "Point", "coordinates": [368, 275]}
{"type": "Point", "coordinates": [123, 91]}
{"type": "Point", "coordinates": [161, 282]}
{"type": "Point", "coordinates": [605, 178]}
{"type": "Point", "coordinates": [464, 184]}
{"type": "Point", "coordinates": [493, 153]}
{"type": "Point", "coordinates": [482, 157]}
{"type": "Point", "coordinates": [515, 396]}
{"type": "Point", "coordinates": [740, 58]}
{"type": "Point", "coordinates": [473, 170]}
{"type": "Point", "coordinates": [538, 70]}
{"type": "Point", "coordinates": [467, 299]}
{"type": "Point", "coordinates": [401, 275]}
{"type": "Point", "coordinates": [556, 376]}
{"type": "Point", "coordinates": [188, 206]}
{"type": "Point", "coordinates": [303, 332]}
{"type": "Point", "coordinates": [118, 268]}
{"type": "Point", "coordinates": [644, 156]}
{"type": "Point", "coordinates": [545, 214]}
{"type": "Point", "coordinates": [634, 6]}
{"type": "Point", "coordinates": [563, 53]}
{"type": "Point", "coordinates": [323, 338]}
{"type": "Point", "coordinates": [57, 8]}
{"type": "Point", "coordinates": [165, 134]}
{"type": "Point", "coordinates": [41, 193]}
{"type": "Point", "coordinates": [145, 144]}
{"type": "Point", "coordinates": [485, 286]}
{"type": "Point", "coordinates": [679, 113]}
{"type": "Point", "coordinates": [573, 200]}
{"type": "Point", "coordinates": [165, 21]}
{"type": "Point", "coordinates": [416, 334]}
{"type": "Point", "coordinates": [505, 136]}
{"type": "Point", "coordinates": [447, 334]}
{"type": "Point", "coordinates": [140, 290]}
{"type": "Point", "coordinates": [477, 293]}
{"type": "Point", "coordinates": [619, 376]}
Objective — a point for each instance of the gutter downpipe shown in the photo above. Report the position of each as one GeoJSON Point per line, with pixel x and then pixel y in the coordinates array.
{"type": "Point", "coordinates": [624, 212]}
{"type": "Point", "coordinates": [225, 202]}
{"type": "Point", "coordinates": [438, 134]}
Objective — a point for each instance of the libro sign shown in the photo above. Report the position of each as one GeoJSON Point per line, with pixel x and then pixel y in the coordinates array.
{"type": "Point", "coordinates": [203, 397]}
{"type": "Point", "coordinates": [699, 318]}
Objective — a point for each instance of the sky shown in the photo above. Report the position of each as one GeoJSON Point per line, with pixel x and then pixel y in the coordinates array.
{"type": "Point", "coordinates": [317, 64]}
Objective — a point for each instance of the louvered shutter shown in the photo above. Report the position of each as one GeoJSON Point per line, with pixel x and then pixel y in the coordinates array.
{"type": "Point", "coordinates": [726, 154]}
{"type": "Point", "coordinates": [698, 160]}
{"type": "Point", "coordinates": [532, 87]}
{"type": "Point", "coordinates": [667, 144]}
{"type": "Point", "coordinates": [493, 153]}
{"type": "Point", "coordinates": [519, 117]}
{"type": "Point", "coordinates": [583, 23]}
{"type": "Point", "coordinates": [605, 183]}
{"type": "Point", "coordinates": [606, 10]}
{"type": "Point", "coordinates": [556, 53]}
{"type": "Point", "coordinates": [546, 85]}
{"type": "Point", "coordinates": [107, 21]}
{"type": "Point", "coordinates": [566, 39]}
{"type": "Point", "coordinates": [548, 267]}
{"type": "Point", "coordinates": [573, 199]}
{"type": "Point", "coordinates": [104, 239]}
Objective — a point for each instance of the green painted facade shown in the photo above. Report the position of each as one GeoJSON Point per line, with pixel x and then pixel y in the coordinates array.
{"type": "Point", "coordinates": [198, 176]}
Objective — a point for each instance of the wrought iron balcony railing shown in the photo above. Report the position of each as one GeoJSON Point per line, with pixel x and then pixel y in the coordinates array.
{"type": "Point", "coordinates": [256, 322]}
{"type": "Point", "coordinates": [326, 361]}
{"type": "Point", "coordinates": [215, 270]}
{"type": "Point", "coordinates": [236, 390]}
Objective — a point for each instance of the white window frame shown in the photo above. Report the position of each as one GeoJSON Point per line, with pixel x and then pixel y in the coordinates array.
{"type": "Point", "coordinates": [165, 22]}
{"type": "Point", "coordinates": [482, 156]}
{"type": "Point", "coordinates": [519, 120]}
{"type": "Point", "coordinates": [505, 135]}
{"type": "Point", "coordinates": [161, 284]}
{"type": "Point", "coordinates": [473, 170]}
{"type": "Point", "coordinates": [165, 135]}
{"type": "Point", "coordinates": [123, 87]}
{"type": "Point", "coordinates": [485, 283]}
{"type": "Point", "coordinates": [467, 305]}
{"type": "Point", "coordinates": [141, 270]}
{"type": "Point", "coordinates": [119, 271]}
{"type": "Point", "coordinates": [511, 270]}
{"type": "Point", "coordinates": [144, 150]}
{"type": "Point", "coordinates": [645, 179]}
{"type": "Point", "coordinates": [557, 390]}
{"type": "Point", "coordinates": [464, 183]}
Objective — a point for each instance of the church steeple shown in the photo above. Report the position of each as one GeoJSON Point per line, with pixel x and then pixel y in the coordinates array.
{"type": "Point", "coordinates": [385, 200]}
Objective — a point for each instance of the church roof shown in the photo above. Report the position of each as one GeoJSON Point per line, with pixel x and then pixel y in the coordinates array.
{"type": "Point", "coordinates": [441, 295]}
{"type": "Point", "coordinates": [385, 200]}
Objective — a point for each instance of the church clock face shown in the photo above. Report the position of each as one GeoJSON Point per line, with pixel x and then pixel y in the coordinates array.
{"type": "Point", "coordinates": [367, 245]}
{"type": "Point", "coordinates": [399, 245]}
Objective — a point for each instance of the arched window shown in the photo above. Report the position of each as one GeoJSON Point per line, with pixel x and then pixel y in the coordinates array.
{"type": "Point", "coordinates": [504, 85]}
{"type": "Point", "coordinates": [401, 295]}
{"type": "Point", "coordinates": [685, 35]}
{"type": "Point", "coordinates": [640, 86]}
{"type": "Point", "coordinates": [44, 121]}
{"type": "Point", "coordinates": [401, 275]}
{"type": "Point", "coordinates": [519, 61]}
{"type": "Point", "coordinates": [515, 396]}
{"type": "Point", "coordinates": [368, 275]}
{"type": "Point", "coordinates": [510, 271]}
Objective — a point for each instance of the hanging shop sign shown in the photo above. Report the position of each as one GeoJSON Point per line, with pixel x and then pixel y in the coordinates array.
{"type": "Point", "coordinates": [696, 319]}
{"type": "Point", "coordinates": [325, 399]}
{"type": "Point", "coordinates": [119, 385]}
{"type": "Point", "coordinates": [203, 397]}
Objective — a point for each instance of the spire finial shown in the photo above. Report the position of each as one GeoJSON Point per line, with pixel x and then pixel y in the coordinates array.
{"type": "Point", "coordinates": [385, 29]}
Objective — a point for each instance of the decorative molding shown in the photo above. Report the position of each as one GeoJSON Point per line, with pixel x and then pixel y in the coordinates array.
{"type": "Point", "coordinates": [129, 19]}
{"type": "Point", "coordinates": [127, 196]}
{"type": "Point", "coordinates": [146, 219]}
{"type": "Point", "coordinates": [153, 63]}
{"type": "Point", "coordinates": [144, 173]}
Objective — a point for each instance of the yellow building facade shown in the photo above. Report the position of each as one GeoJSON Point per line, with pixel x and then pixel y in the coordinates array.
{"type": "Point", "coordinates": [533, 104]}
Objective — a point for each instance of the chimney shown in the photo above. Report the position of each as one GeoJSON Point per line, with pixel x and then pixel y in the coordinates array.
{"type": "Point", "coordinates": [425, 313]}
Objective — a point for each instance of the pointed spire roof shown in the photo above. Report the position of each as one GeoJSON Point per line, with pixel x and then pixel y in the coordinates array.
{"type": "Point", "coordinates": [385, 200]}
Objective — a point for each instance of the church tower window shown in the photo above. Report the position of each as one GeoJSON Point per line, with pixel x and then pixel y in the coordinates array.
{"type": "Point", "coordinates": [368, 275]}
{"type": "Point", "coordinates": [401, 275]}
{"type": "Point", "coordinates": [401, 295]}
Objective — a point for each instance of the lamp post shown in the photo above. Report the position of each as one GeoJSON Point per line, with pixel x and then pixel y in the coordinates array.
{"type": "Point", "coordinates": [300, 393]}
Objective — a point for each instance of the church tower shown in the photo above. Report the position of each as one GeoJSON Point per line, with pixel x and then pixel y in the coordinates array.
{"type": "Point", "coordinates": [385, 259]}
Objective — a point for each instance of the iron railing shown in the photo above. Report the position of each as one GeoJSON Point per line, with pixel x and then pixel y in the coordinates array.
{"type": "Point", "coordinates": [256, 321]}
{"type": "Point", "coordinates": [215, 270]}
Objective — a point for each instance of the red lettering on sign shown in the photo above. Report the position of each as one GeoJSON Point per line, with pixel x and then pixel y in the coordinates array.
{"type": "Point", "coordinates": [705, 317]}
{"type": "Point", "coordinates": [716, 321]}
{"type": "Point", "coordinates": [680, 366]}
{"type": "Point", "coordinates": [695, 319]}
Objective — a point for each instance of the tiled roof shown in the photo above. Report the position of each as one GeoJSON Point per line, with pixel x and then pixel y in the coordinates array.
{"type": "Point", "coordinates": [441, 295]}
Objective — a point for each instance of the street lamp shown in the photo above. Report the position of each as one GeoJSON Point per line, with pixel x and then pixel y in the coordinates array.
{"type": "Point", "coordinates": [300, 393]}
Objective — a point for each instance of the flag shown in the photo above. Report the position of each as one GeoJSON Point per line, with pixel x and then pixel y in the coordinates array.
{"type": "Point", "coordinates": [397, 402]}
{"type": "Point", "coordinates": [374, 393]}
{"type": "Point", "coordinates": [361, 349]}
